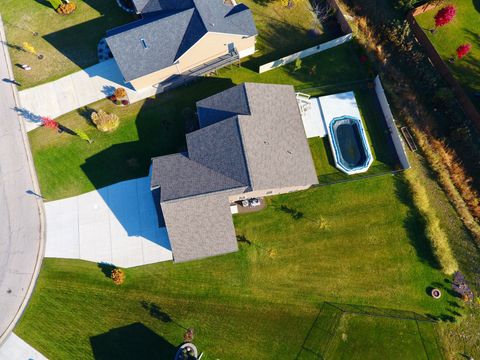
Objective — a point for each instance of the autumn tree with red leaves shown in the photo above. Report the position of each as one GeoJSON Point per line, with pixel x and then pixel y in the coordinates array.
{"type": "Point", "coordinates": [49, 123]}
{"type": "Point", "coordinates": [445, 15]}
{"type": "Point", "coordinates": [463, 50]}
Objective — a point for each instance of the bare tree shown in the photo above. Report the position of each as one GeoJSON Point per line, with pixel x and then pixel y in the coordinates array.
{"type": "Point", "coordinates": [323, 11]}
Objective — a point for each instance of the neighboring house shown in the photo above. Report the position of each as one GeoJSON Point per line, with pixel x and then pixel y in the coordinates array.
{"type": "Point", "coordinates": [177, 39]}
{"type": "Point", "coordinates": [251, 143]}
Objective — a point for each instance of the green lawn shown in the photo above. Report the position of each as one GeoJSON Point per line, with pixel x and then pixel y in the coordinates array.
{"type": "Point", "coordinates": [385, 158]}
{"type": "Point", "coordinates": [68, 43]}
{"type": "Point", "coordinates": [356, 243]}
{"type": "Point", "coordinates": [464, 28]}
{"type": "Point", "coordinates": [67, 165]}
{"type": "Point", "coordinates": [360, 332]}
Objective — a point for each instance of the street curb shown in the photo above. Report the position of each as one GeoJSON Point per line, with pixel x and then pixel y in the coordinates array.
{"type": "Point", "coordinates": [36, 186]}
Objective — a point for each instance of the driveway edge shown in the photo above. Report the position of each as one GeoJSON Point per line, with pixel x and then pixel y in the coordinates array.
{"type": "Point", "coordinates": [41, 209]}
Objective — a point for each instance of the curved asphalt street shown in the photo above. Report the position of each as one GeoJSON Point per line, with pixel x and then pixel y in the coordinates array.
{"type": "Point", "coordinates": [21, 212]}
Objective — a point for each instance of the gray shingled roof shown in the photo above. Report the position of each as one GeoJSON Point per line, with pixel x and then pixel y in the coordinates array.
{"type": "Point", "coordinates": [180, 177]}
{"type": "Point", "coordinates": [170, 29]}
{"type": "Point", "coordinates": [223, 105]}
{"type": "Point", "coordinates": [147, 7]}
{"type": "Point", "coordinates": [276, 147]}
{"type": "Point", "coordinates": [262, 148]}
{"type": "Point", "coordinates": [200, 227]}
{"type": "Point", "coordinates": [219, 147]}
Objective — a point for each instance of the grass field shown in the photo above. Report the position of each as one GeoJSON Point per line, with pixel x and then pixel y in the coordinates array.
{"type": "Point", "coordinates": [385, 158]}
{"type": "Point", "coordinates": [463, 29]}
{"type": "Point", "coordinates": [67, 165]}
{"type": "Point", "coordinates": [356, 243]}
{"type": "Point", "coordinates": [69, 43]}
{"type": "Point", "coordinates": [343, 331]}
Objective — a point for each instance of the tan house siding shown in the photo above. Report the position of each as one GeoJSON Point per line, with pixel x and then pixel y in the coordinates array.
{"type": "Point", "coordinates": [154, 78]}
{"type": "Point", "coordinates": [209, 47]}
{"type": "Point", "coordinates": [263, 193]}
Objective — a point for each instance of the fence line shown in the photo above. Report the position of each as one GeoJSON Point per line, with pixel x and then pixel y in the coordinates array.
{"type": "Point", "coordinates": [304, 53]}
{"type": "Point", "coordinates": [392, 127]}
{"type": "Point", "coordinates": [344, 26]}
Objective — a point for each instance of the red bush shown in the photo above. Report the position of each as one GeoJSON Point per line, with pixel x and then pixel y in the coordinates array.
{"type": "Point", "coordinates": [463, 50]}
{"type": "Point", "coordinates": [125, 102]}
{"type": "Point", "coordinates": [445, 15]}
{"type": "Point", "coordinates": [49, 123]}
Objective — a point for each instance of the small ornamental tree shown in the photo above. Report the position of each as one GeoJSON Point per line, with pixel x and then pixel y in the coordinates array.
{"type": "Point", "coordinates": [118, 276]}
{"type": "Point", "coordinates": [49, 123]}
{"type": "Point", "coordinates": [120, 93]}
{"type": "Point", "coordinates": [463, 50]}
{"type": "Point", "coordinates": [105, 122]}
{"type": "Point", "coordinates": [188, 336]}
{"type": "Point", "coordinates": [445, 15]}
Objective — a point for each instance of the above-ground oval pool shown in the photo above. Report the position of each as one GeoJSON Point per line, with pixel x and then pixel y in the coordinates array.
{"type": "Point", "coordinates": [349, 143]}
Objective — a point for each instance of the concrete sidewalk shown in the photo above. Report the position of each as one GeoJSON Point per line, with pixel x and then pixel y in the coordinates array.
{"type": "Point", "coordinates": [21, 212]}
{"type": "Point", "coordinates": [75, 91]}
{"type": "Point", "coordinates": [117, 224]}
{"type": "Point", "coordinates": [14, 348]}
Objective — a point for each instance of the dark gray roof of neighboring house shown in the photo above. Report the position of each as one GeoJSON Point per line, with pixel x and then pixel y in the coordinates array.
{"type": "Point", "coordinates": [200, 227]}
{"type": "Point", "coordinates": [172, 27]}
{"type": "Point", "coordinates": [133, 59]}
{"type": "Point", "coordinates": [219, 147]}
{"type": "Point", "coordinates": [180, 177]}
{"type": "Point", "coordinates": [147, 7]}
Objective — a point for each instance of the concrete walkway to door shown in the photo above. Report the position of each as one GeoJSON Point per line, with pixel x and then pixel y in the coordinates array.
{"type": "Point", "coordinates": [75, 91]}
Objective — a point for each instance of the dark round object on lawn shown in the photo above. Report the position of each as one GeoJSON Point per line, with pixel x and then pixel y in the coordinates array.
{"type": "Point", "coordinates": [40, 57]}
{"type": "Point", "coordinates": [436, 293]}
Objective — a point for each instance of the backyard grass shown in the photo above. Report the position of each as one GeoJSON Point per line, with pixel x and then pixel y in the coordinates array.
{"type": "Point", "coordinates": [68, 43]}
{"type": "Point", "coordinates": [68, 166]}
{"type": "Point", "coordinates": [384, 157]}
{"type": "Point", "coordinates": [464, 28]}
{"type": "Point", "coordinates": [356, 243]}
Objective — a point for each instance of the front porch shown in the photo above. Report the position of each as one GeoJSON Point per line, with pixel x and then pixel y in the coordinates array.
{"type": "Point", "coordinates": [204, 69]}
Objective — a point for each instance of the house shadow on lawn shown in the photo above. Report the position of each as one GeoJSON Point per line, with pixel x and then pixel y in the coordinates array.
{"type": "Point", "coordinates": [160, 126]}
{"type": "Point", "coordinates": [79, 42]}
{"type": "Point", "coordinates": [134, 341]}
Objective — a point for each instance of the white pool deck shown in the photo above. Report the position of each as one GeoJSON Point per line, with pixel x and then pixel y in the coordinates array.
{"type": "Point", "coordinates": [117, 224]}
{"type": "Point", "coordinates": [324, 109]}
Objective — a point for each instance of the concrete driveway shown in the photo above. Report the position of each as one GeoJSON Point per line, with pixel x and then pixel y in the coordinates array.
{"type": "Point", "coordinates": [14, 348]}
{"type": "Point", "coordinates": [117, 224]}
{"type": "Point", "coordinates": [21, 236]}
{"type": "Point", "coordinates": [75, 91]}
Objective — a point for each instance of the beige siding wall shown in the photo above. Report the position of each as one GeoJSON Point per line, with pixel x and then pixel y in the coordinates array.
{"type": "Point", "coordinates": [263, 193]}
{"type": "Point", "coordinates": [154, 78]}
{"type": "Point", "coordinates": [211, 46]}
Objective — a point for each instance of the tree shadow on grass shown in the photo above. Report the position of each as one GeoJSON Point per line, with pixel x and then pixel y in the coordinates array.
{"type": "Point", "coordinates": [106, 268]}
{"type": "Point", "coordinates": [156, 312]}
{"type": "Point", "coordinates": [414, 224]}
{"type": "Point", "coordinates": [134, 341]}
